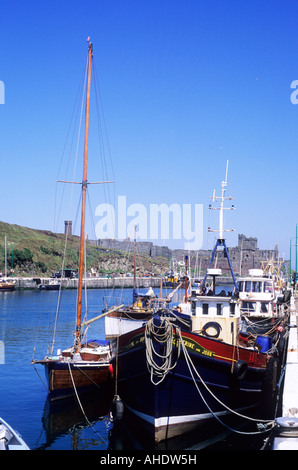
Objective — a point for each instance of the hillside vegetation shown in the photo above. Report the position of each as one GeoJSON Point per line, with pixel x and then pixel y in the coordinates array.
{"type": "Point", "coordinates": [33, 252]}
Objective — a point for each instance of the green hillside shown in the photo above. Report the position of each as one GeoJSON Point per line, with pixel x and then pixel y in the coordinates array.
{"type": "Point", "coordinates": [33, 252]}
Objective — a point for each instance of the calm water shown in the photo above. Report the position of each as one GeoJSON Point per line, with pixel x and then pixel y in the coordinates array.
{"type": "Point", "coordinates": [26, 326]}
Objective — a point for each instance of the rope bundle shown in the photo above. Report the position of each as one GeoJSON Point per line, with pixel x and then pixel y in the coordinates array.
{"type": "Point", "coordinates": [160, 364]}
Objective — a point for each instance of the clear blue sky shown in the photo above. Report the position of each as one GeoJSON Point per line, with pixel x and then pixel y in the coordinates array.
{"type": "Point", "coordinates": [185, 84]}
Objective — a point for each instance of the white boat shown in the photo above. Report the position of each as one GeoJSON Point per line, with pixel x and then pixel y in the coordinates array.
{"type": "Point", "coordinates": [10, 439]}
{"type": "Point", "coordinates": [258, 295]}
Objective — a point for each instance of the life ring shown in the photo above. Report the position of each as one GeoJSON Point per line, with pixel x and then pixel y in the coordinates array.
{"type": "Point", "coordinates": [211, 324]}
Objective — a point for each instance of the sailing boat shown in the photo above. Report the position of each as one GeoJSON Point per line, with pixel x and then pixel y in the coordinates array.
{"type": "Point", "coordinates": [6, 284]}
{"type": "Point", "coordinates": [82, 365]}
{"type": "Point", "coordinates": [144, 305]}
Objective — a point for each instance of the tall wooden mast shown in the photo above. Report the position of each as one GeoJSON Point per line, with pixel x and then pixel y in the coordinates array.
{"type": "Point", "coordinates": [83, 214]}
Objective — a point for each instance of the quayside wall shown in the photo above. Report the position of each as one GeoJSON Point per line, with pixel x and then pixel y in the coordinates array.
{"type": "Point", "coordinates": [100, 282]}
{"type": "Point", "coordinates": [95, 283]}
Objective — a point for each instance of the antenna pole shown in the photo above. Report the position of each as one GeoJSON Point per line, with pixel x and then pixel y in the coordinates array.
{"type": "Point", "coordinates": [220, 240]}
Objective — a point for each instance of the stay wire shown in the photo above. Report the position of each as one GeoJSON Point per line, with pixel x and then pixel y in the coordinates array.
{"type": "Point", "coordinates": [81, 407]}
{"type": "Point", "coordinates": [189, 364]}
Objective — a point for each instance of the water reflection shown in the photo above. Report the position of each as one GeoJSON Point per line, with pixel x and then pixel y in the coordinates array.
{"type": "Point", "coordinates": [85, 421]}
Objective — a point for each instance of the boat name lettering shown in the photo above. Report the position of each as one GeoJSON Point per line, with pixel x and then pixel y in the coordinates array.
{"type": "Point", "coordinates": [135, 341]}
{"type": "Point", "coordinates": [196, 347]}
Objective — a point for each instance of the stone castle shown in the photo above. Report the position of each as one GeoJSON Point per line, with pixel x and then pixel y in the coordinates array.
{"type": "Point", "coordinates": [246, 255]}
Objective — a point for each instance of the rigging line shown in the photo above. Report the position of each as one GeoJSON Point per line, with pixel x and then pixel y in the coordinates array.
{"type": "Point", "coordinates": [37, 332]}
{"type": "Point", "coordinates": [85, 287]}
{"type": "Point", "coordinates": [60, 288]}
{"type": "Point", "coordinates": [189, 362]}
{"type": "Point", "coordinates": [80, 404]}
{"type": "Point", "coordinates": [91, 222]}
{"type": "Point", "coordinates": [59, 294]}
{"type": "Point", "coordinates": [41, 379]}
{"type": "Point", "coordinates": [81, 89]}
{"type": "Point", "coordinates": [103, 127]}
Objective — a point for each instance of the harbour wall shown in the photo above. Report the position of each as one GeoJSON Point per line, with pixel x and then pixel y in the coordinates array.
{"type": "Point", "coordinates": [90, 283]}
{"type": "Point", "coordinates": [100, 282]}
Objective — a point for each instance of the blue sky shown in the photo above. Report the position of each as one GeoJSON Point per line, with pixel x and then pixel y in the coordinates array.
{"type": "Point", "coordinates": [185, 85]}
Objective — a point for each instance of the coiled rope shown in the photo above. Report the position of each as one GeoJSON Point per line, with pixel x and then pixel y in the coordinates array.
{"type": "Point", "coordinates": [163, 334]}
{"type": "Point", "coordinates": [159, 364]}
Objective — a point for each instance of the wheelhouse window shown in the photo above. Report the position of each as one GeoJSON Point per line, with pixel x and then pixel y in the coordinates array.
{"type": "Point", "coordinates": [248, 306]}
{"type": "Point", "coordinates": [268, 288]}
{"type": "Point", "coordinates": [248, 286]}
{"type": "Point", "coordinates": [232, 309]}
{"type": "Point", "coordinates": [257, 286]}
{"type": "Point", "coordinates": [264, 307]}
{"type": "Point", "coordinates": [205, 309]}
{"type": "Point", "coordinates": [219, 309]}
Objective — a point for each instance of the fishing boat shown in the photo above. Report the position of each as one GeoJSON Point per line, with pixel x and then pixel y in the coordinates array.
{"type": "Point", "coordinates": [10, 439]}
{"type": "Point", "coordinates": [51, 285]}
{"type": "Point", "coordinates": [175, 376]}
{"type": "Point", "coordinates": [83, 365]}
{"type": "Point", "coordinates": [7, 285]}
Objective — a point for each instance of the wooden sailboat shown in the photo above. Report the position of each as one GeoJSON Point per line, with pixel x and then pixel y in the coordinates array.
{"type": "Point", "coordinates": [82, 365]}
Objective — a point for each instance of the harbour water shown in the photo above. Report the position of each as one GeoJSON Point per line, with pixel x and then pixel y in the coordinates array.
{"type": "Point", "coordinates": [27, 320]}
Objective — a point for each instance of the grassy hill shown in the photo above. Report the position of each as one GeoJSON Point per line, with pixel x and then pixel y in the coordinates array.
{"type": "Point", "coordinates": [33, 252]}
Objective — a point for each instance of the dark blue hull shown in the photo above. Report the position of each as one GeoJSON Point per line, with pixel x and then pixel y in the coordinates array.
{"type": "Point", "coordinates": [182, 400]}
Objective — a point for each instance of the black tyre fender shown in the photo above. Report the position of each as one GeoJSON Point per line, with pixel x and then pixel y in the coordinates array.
{"type": "Point", "coordinates": [240, 369]}
{"type": "Point", "coordinates": [211, 324]}
{"type": "Point", "coordinates": [271, 376]}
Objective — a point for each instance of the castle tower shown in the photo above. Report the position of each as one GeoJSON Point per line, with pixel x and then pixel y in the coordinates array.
{"type": "Point", "coordinates": [68, 227]}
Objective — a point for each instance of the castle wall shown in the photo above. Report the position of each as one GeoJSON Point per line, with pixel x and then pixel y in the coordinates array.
{"type": "Point", "coordinates": [246, 255]}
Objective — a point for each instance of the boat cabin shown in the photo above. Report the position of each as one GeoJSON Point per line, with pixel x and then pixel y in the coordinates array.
{"type": "Point", "coordinates": [213, 315]}
{"type": "Point", "coordinates": [257, 294]}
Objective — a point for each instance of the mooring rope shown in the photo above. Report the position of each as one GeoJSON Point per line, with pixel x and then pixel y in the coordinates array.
{"type": "Point", "coordinates": [163, 334]}
{"type": "Point", "coordinates": [189, 364]}
{"type": "Point", "coordinates": [80, 404]}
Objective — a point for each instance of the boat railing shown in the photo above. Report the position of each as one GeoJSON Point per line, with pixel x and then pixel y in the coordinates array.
{"type": "Point", "coordinates": [110, 301]}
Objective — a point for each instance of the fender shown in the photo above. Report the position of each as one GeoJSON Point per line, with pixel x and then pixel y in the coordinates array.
{"type": "Point", "coordinates": [240, 369]}
{"type": "Point", "coordinates": [211, 324]}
